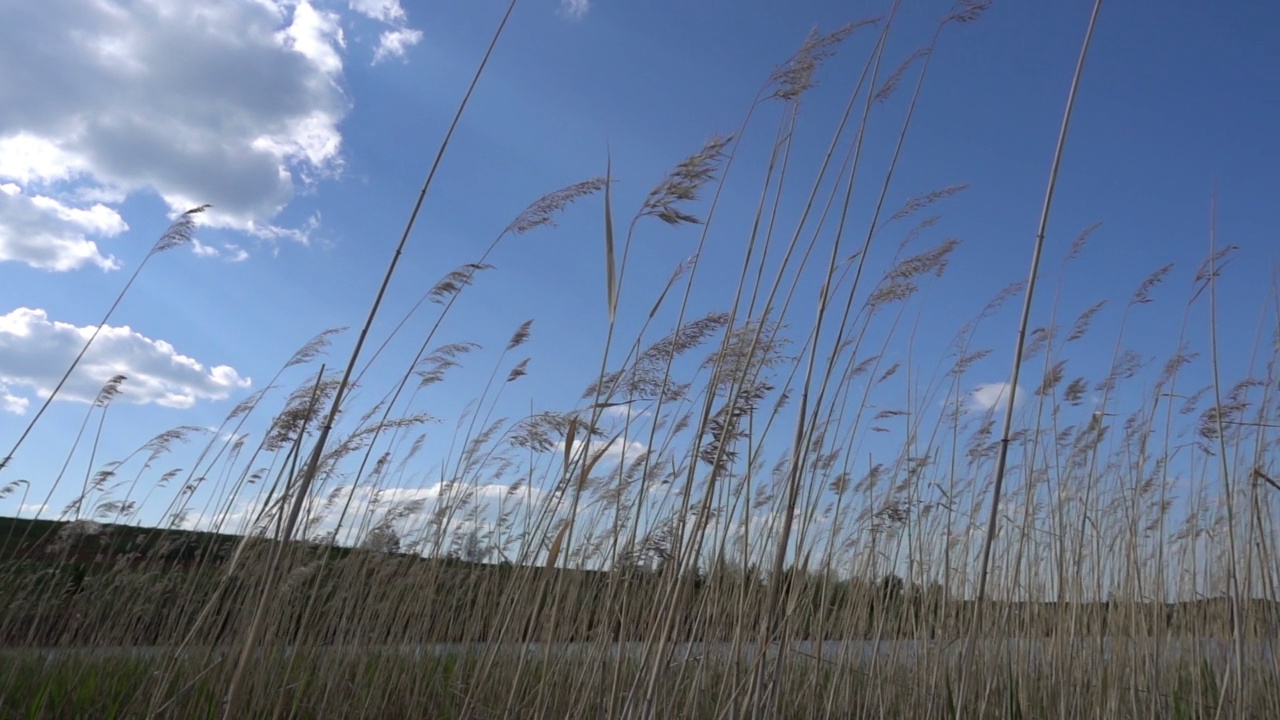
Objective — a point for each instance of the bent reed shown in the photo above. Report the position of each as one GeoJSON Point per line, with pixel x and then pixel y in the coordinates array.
{"type": "Point", "coordinates": [775, 497]}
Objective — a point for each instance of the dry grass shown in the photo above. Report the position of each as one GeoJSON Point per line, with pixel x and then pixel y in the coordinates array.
{"type": "Point", "coordinates": [780, 504]}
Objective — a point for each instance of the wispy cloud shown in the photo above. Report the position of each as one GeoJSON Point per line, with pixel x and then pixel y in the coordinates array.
{"type": "Point", "coordinates": [990, 396]}
{"type": "Point", "coordinates": [11, 403]}
{"type": "Point", "coordinates": [394, 43]}
{"type": "Point", "coordinates": [574, 9]}
{"type": "Point", "coordinates": [387, 11]}
{"type": "Point", "coordinates": [399, 37]}
{"type": "Point", "coordinates": [238, 254]}
{"type": "Point", "coordinates": [230, 252]}
{"type": "Point", "coordinates": [199, 249]}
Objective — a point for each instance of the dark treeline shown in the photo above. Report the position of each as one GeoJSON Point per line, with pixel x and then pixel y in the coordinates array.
{"type": "Point", "coordinates": [61, 587]}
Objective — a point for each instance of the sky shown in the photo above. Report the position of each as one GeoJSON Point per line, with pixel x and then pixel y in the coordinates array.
{"type": "Point", "coordinates": [309, 127]}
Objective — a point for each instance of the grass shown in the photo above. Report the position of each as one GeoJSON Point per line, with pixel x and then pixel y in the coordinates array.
{"type": "Point", "coordinates": [812, 518]}
{"type": "Point", "coordinates": [315, 683]}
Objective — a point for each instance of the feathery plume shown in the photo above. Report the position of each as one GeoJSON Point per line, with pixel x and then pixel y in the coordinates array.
{"type": "Point", "coordinates": [916, 204]}
{"type": "Point", "coordinates": [519, 371]}
{"type": "Point", "coordinates": [1082, 323]}
{"type": "Point", "coordinates": [314, 347]}
{"type": "Point", "coordinates": [520, 336]}
{"type": "Point", "coordinates": [109, 391]}
{"type": "Point", "coordinates": [180, 232]}
{"type": "Point", "coordinates": [453, 283]}
{"type": "Point", "coordinates": [1143, 294]}
{"type": "Point", "coordinates": [543, 211]}
{"type": "Point", "coordinates": [1077, 245]}
{"type": "Point", "coordinates": [891, 83]}
{"type": "Point", "coordinates": [968, 12]}
{"type": "Point", "coordinates": [684, 182]}
{"type": "Point", "coordinates": [795, 76]}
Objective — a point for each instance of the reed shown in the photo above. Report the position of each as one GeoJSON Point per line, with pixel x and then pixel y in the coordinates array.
{"type": "Point", "coordinates": [775, 497]}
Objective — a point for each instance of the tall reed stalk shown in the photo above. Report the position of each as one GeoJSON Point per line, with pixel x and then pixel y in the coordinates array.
{"type": "Point", "coordinates": [779, 494]}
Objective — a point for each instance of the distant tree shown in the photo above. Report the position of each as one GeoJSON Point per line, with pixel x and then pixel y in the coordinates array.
{"type": "Point", "coordinates": [474, 549]}
{"type": "Point", "coordinates": [382, 538]}
{"type": "Point", "coordinates": [891, 588]}
{"type": "Point", "coordinates": [934, 594]}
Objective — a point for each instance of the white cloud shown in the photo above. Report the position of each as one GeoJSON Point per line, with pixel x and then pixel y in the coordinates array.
{"type": "Point", "coordinates": [486, 505]}
{"type": "Point", "coordinates": [238, 254]}
{"type": "Point", "coordinates": [27, 158]}
{"type": "Point", "coordinates": [12, 403]}
{"type": "Point", "coordinates": [625, 411]}
{"type": "Point", "coordinates": [35, 351]}
{"type": "Point", "coordinates": [199, 249]}
{"type": "Point", "coordinates": [46, 234]}
{"type": "Point", "coordinates": [619, 413]}
{"type": "Point", "coordinates": [317, 35]}
{"type": "Point", "coordinates": [229, 102]}
{"type": "Point", "coordinates": [990, 396]}
{"type": "Point", "coordinates": [612, 451]}
{"type": "Point", "coordinates": [575, 9]}
{"type": "Point", "coordinates": [433, 492]}
{"type": "Point", "coordinates": [229, 252]}
{"type": "Point", "coordinates": [399, 37]}
{"type": "Point", "coordinates": [387, 11]}
{"type": "Point", "coordinates": [394, 43]}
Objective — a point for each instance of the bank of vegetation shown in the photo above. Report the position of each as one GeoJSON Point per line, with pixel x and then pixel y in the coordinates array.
{"type": "Point", "coordinates": [775, 496]}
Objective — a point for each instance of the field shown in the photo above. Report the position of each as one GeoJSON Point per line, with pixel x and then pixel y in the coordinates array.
{"type": "Point", "coordinates": [779, 501]}
{"type": "Point", "coordinates": [359, 618]}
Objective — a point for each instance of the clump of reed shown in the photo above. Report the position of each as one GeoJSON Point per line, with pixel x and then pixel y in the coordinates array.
{"type": "Point", "coordinates": [782, 503]}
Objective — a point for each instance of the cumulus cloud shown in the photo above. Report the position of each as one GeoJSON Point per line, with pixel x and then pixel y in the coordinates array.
{"type": "Point", "coordinates": [619, 413]}
{"type": "Point", "coordinates": [394, 43]}
{"type": "Point", "coordinates": [27, 158]}
{"type": "Point", "coordinates": [625, 411]}
{"type": "Point", "coordinates": [35, 351]}
{"type": "Point", "coordinates": [12, 403]}
{"type": "Point", "coordinates": [612, 451]}
{"type": "Point", "coordinates": [399, 37]}
{"type": "Point", "coordinates": [236, 103]}
{"type": "Point", "coordinates": [990, 396]}
{"type": "Point", "coordinates": [575, 9]}
{"type": "Point", "coordinates": [46, 234]}
{"type": "Point", "coordinates": [479, 493]}
{"type": "Point", "coordinates": [317, 36]}
{"type": "Point", "coordinates": [387, 11]}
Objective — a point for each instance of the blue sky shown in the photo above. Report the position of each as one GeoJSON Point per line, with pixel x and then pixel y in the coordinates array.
{"type": "Point", "coordinates": [310, 126]}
